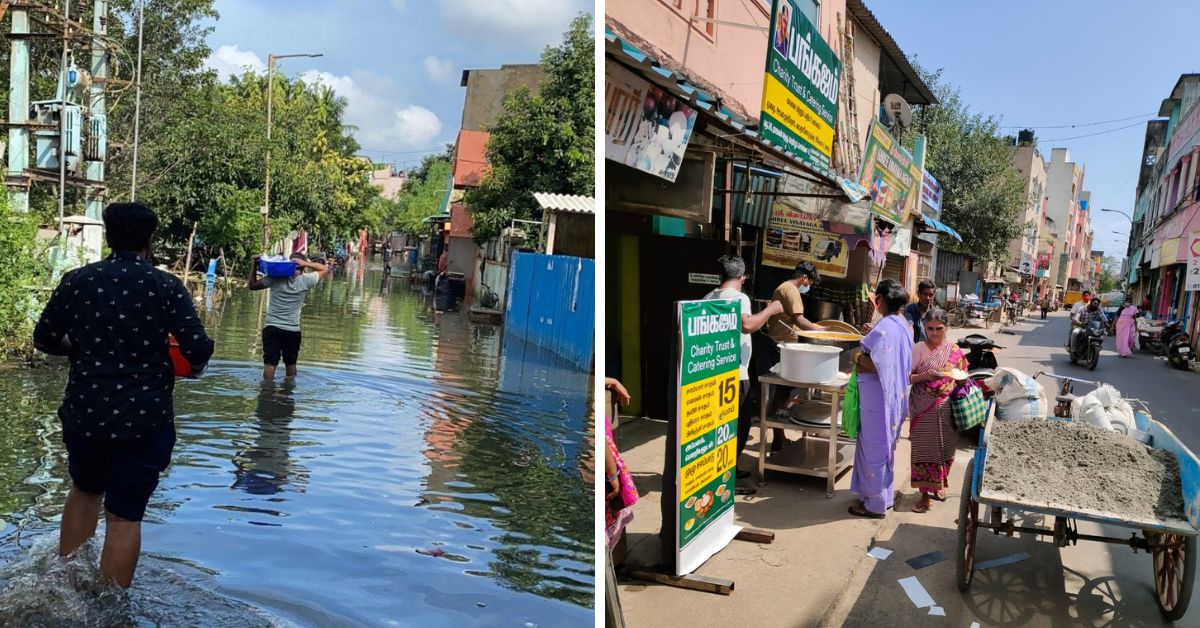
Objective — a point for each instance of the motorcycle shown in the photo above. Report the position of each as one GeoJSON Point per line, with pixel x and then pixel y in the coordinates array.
{"type": "Point", "coordinates": [1177, 345]}
{"type": "Point", "coordinates": [1086, 342]}
{"type": "Point", "coordinates": [981, 362]}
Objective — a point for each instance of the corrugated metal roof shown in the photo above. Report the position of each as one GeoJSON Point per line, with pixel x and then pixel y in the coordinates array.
{"type": "Point", "coordinates": [566, 202]}
{"type": "Point", "coordinates": [858, 9]}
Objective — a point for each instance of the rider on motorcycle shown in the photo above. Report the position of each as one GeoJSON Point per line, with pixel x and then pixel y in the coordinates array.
{"type": "Point", "coordinates": [1082, 314]}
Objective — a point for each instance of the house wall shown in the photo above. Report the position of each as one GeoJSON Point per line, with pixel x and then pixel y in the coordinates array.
{"type": "Point", "coordinates": [486, 89]}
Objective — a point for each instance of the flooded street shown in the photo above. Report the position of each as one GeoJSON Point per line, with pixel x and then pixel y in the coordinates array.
{"type": "Point", "coordinates": [419, 471]}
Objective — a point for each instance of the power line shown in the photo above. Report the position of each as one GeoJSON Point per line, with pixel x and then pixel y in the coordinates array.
{"type": "Point", "coordinates": [1075, 137]}
{"type": "Point", "coordinates": [1072, 126]}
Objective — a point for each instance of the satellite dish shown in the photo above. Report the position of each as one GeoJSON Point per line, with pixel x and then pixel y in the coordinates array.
{"type": "Point", "coordinates": [898, 109]}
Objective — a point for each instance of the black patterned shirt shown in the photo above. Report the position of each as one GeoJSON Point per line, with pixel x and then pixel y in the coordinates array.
{"type": "Point", "coordinates": [114, 316]}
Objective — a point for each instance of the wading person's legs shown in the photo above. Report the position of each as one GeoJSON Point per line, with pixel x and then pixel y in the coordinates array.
{"type": "Point", "coordinates": [272, 351]}
{"type": "Point", "coordinates": [87, 464]}
{"type": "Point", "coordinates": [133, 473]}
{"type": "Point", "coordinates": [289, 342]}
{"type": "Point", "coordinates": [79, 518]}
{"type": "Point", "coordinates": [122, 546]}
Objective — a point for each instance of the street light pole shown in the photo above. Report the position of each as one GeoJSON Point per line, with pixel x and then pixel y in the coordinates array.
{"type": "Point", "coordinates": [271, 59]}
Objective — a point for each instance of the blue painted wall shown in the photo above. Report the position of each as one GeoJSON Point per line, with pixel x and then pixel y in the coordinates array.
{"type": "Point", "coordinates": [552, 303]}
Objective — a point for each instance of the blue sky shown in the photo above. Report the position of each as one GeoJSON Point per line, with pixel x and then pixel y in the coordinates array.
{"type": "Point", "coordinates": [398, 62]}
{"type": "Point", "coordinates": [1060, 63]}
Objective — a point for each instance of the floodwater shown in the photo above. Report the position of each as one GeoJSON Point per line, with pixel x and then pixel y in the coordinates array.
{"type": "Point", "coordinates": [421, 470]}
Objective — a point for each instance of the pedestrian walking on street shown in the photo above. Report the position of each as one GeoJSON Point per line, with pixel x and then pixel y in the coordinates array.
{"type": "Point", "coordinates": [281, 335]}
{"type": "Point", "coordinates": [112, 319]}
{"type": "Point", "coordinates": [884, 367]}
{"type": "Point", "coordinates": [931, 426]}
{"type": "Point", "coordinates": [1126, 328]}
{"type": "Point", "coordinates": [733, 279]}
{"type": "Point", "coordinates": [1045, 306]}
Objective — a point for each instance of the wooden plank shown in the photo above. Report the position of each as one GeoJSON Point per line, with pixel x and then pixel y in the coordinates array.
{"type": "Point", "coordinates": [691, 581]}
{"type": "Point", "coordinates": [754, 535]}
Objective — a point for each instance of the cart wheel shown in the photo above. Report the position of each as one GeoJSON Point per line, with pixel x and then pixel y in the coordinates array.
{"type": "Point", "coordinates": [968, 520]}
{"type": "Point", "coordinates": [1174, 573]}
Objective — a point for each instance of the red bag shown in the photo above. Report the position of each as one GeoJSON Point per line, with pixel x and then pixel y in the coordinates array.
{"type": "Point", "coordinates": [183, 368]}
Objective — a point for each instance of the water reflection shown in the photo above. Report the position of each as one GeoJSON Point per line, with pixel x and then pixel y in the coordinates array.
{"type": "Point", "coordinates": [420, 470]}
{"type": "Point", "coordinates": [266, 467]}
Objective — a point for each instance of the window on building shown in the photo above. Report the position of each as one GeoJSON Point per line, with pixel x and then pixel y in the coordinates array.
{"type": "Point", "coordinates": [708, 9]}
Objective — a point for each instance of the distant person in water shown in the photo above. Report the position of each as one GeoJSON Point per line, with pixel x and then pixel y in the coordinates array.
{"type": "Point", "coordinates": [281, 335]}
{"type": "Point", "coordinates": [112, 319]}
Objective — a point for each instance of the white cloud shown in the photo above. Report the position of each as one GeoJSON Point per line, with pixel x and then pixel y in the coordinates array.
{"type": "Point", "coordinates": [371, 106]}
{"type": "Point", "coordinates": [509, 23]}
{"type": "Point", "coordinates": [398, 4]}
{"type": "Point", "coordinates": [440, 70]}
{"type": "Point", "coordinates": [233, 61]}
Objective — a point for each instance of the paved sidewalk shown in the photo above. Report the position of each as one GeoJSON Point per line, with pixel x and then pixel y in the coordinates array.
{"type": "Point", "coordinates": [817, 572]}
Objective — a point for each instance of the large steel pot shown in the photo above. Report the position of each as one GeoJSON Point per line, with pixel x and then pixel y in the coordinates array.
{"type": "Point", "coordinates": [842, 341]}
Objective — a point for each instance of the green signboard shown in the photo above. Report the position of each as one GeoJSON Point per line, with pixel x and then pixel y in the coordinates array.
{"type": "Point", "coordinates": [800, 90]}
{"type": "Point", "coordinates": [706, 427]}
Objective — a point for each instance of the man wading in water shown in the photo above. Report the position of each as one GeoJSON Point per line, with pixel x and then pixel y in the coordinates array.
{"type": "Point", "coordinates": [111, 319]}
{"type": "Point", "coordinates": [281, 335]}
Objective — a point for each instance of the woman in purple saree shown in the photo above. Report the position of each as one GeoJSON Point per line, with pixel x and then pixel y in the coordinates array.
{"type": "Point", "coordinates": [884, 366]}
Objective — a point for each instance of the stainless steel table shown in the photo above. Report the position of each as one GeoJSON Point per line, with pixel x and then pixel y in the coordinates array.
{"type": "Point", "coordinates": [822, 451]}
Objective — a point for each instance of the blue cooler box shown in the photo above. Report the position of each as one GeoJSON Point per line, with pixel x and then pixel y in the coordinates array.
{"type": "Point", "coordinates": [277, 269]}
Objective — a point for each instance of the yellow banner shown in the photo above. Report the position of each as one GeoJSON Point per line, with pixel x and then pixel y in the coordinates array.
{"type": "Point", "coordinates": [708, 404]}
{"type": "Point", "coordinates": [1170, 252]}
{"type": "Point", "coordinates": [798, 117]}
{"type": "Point", "coordinates": [706, 468]}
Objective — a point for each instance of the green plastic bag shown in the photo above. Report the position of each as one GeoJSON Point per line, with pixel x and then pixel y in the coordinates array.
{"type": "Point", "coordinates": [850, 406]}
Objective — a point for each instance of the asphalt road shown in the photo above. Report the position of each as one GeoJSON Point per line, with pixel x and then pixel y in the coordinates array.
{"type": "Point", "coordinates": [1173, 395]}
{"type": "Point", "coordinates": [1090, 584]}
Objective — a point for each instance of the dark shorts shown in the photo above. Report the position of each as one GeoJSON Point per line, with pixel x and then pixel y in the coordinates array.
{"type": "Point", "coordinates": [280, 343]}
{"type": "Point", "coordinates": [766, 353]}
{"type": "Point", "coordinates": [124, 471]}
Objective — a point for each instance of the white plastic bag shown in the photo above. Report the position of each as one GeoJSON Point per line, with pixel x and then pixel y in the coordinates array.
{"type": "Point", "coordinates": [1017, 395]}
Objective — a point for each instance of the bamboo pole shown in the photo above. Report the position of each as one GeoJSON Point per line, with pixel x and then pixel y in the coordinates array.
{"type": "Point", "coordinates": [187, 265]}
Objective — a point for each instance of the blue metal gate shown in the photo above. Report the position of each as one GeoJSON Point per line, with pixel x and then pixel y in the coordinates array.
{"type": "Point", "coordinates": [552, 303]}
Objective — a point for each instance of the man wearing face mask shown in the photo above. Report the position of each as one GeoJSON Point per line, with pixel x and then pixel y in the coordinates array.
{"type": "Point", "coordinates": [782, 327]}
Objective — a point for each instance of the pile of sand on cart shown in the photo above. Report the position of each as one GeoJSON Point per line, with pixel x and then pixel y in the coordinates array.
{"type": "Point", "coordinates": [1082, 467]}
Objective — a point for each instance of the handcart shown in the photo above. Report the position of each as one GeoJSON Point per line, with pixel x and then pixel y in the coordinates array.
{"type": "Point", "coordinates": [1171, 542]}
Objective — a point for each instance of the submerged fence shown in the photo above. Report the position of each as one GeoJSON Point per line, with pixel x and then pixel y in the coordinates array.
{"type": "Point", "coordinates": [552, 303]}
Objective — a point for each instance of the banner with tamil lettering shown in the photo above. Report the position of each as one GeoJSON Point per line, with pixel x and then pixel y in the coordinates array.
{"type": "Point", "coordinates": [891, 175]}
{"type": "Point", "coordinates": [800, 90]}
{"type": "Point", "coordinates": [709, 333]}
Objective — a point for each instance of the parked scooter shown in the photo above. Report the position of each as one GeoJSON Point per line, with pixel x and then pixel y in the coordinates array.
{"type": "Point", "coordinates": [1086, 342]}
{"type": "Point", "coordinates": [1170, 341]}
{"type": "Point", "coordinates": [1178, 345]}
{"type": "Point", "coordinates": [981, 362]}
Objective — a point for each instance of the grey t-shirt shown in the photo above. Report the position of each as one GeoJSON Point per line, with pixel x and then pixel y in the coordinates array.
{"type": "Point", "coordinates": [287, 296]}
{"type": "Point", "coordinates": [730, 293]}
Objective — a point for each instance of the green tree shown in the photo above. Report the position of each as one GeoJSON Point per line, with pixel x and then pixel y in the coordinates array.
{"type": "Point", "coordinates": [23, 272]}
{"type": "Point", "coordinates": [1109, 278]}
{"type": "Point", "coordinates": [544, 142]}
{"type": "Point", "coordinates": [982, 192]}
{"type": "Point", "coordinates": [423, 194]}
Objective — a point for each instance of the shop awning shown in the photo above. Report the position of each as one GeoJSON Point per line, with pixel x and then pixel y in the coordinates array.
{"type": "Point", "coordinates": [740, 129]}
{"type": "Point", "coordinates": [1134, 262]}
{"type": "Point", "coordinates": [940, 227]}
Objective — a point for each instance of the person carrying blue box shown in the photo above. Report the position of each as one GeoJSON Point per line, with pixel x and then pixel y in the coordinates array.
{"type": "Point", "coordinates": [281, 334]}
